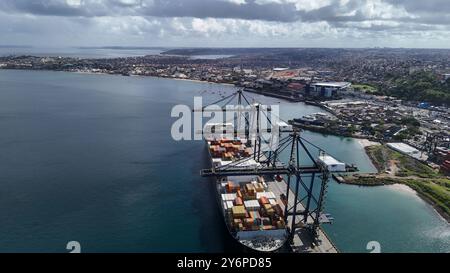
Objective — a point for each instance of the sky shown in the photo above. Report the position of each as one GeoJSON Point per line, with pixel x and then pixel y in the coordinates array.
{"type": "Point", "coordinates": [226, 23]}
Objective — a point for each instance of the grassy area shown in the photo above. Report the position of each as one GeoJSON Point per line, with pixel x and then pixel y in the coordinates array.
{"type": "Point", "coordinates": [368, 181]}
{"type": "Point", "coordinates": [365, 88]}
{"type": "Point", "coordinates": [379, 156]}
{"type": "Point", "coordinates": [428, 183]}
{"type": "Point", "coordinates": [407, 166]}
{"type": "Point", "coordinates": [411, 167]}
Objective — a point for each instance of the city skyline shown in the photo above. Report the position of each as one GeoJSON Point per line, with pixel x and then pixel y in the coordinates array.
{"type": "Point", "coordinates": [226, 23]}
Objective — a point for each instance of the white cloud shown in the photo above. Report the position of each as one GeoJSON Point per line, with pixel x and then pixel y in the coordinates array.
{"type": "Point", "coordinates": [307, 23]}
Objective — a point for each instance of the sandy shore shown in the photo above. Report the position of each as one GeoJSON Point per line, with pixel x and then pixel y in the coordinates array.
{"type": "Point", "coordinates": [132, 75]}
{"type": "Point", "coordinates": [402, 188]}
{"type": "Point", "coordinates": [407, 190]}
{"type": "Point", "coordinates": [199, 81]}
{"type": "Point", "coordinates": [366, 143]}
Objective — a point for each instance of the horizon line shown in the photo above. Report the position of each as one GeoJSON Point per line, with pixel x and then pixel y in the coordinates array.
{"type": "Point", "coordinates": [212, 47]}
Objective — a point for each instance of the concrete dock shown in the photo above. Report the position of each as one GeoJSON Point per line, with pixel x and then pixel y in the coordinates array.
{"type": "Point", "coordinates": [302, 242]}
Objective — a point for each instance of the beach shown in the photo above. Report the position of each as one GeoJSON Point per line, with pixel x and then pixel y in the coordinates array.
{"type": "Point", "coordinates": [402, 188]}
{"type": "Point", "coordinates": [366, 143]}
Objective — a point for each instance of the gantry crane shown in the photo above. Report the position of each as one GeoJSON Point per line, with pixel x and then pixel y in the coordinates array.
{"type": "Point", "coordinates": [295, 174]}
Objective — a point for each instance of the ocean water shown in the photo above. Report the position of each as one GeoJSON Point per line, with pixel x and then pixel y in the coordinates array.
{"type": "Point", "coordinates": [94, 52]}
{"type": "Point", "coordinates": [90, 158]}
{"type": "Point", "coordinates": [79, 52]}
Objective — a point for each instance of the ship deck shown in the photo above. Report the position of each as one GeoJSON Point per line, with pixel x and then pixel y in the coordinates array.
{"type": "Point", "coordinates": [302, 242]}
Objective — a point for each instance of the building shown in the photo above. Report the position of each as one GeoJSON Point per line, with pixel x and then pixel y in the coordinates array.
{"type": "Point", "coordinates": [278, 69]}
{"type": "Point", "coordinates": [327, 89]}
{"type": "Point", "coordinates": [405, 149]}
{"type": "Point", "coordinates": [331, 163]}
{"type": "Point", "coordinates": [441, 154]}
{"type": "Point", "coordinates": [295, 86]}
{"type": "Point", "coordinates": [445, 166]}
{"type": "Point", "coordinates": [424, 105]}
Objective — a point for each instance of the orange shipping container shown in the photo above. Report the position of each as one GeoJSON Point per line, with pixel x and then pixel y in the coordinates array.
{"type": "Point", "coordinates": [259, 187]}
{"type": "Point", "coordinates": [239, 193]}
{"type": "Point", "coordinates": [263, 200]}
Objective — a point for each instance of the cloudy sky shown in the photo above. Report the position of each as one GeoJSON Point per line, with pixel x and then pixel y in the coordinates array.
{"type": "Point", "coordinates": [226, 23]}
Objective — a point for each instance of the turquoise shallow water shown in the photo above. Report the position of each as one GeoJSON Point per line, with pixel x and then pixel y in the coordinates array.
{"type": "Point", "coordinates": [90, 158]}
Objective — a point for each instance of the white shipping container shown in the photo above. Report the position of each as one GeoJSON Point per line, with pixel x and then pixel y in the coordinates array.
{"type": "Point", "coordinates": [228, 196]}
{"type": "Point", "coordinates": [268, 194]}
{"type": "Point", "coordinates": [266, 187]}
{"type": "Point", "coordinates": [252, 204]}
{"type": "Point", "coordinates": [229, 205]}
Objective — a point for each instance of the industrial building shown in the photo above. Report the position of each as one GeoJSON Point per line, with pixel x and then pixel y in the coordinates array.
{"type": "Point", "coordinates": [405, 149]}
{"type": "Point", "coordinates": [327, 89]}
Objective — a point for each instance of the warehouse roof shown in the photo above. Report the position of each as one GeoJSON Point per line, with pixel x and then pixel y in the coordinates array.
{"type": "Point", "coordinates": [329, 160]}
{"type": "Point", "coordinates": [333, 84]}
{"type": "Point", "coordinates": [403, 147]}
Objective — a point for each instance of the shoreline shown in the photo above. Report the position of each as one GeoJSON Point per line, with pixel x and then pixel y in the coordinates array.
{"type": "Point", "coordinates": [394, 184]}
{"type": "Point", "coordinates": [116, 74]}
{"type": "Point", "coordinates": [132, 75]}
{"type": "Point", "coordinates": [401, 187]}
{"type": "Point", "coordinates": [364, 142]}
{"type": "Point", "coordinates": [190, 80]}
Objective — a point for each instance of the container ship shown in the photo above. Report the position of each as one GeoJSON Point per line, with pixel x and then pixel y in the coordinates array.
{"type": "Point", "coordinates": [252, 213]}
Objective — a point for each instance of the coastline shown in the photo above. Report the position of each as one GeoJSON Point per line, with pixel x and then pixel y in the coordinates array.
{"type": "Point", "coordinates": [364, 142]}
{"type": "Point", "coordinates": [395, 184]}
{"type": "Point", "coordinates": [191, 80]}
{"type": "Point", "coordinates": [116, 74]}
{"type": "Point", "coordinates": [402, 188]}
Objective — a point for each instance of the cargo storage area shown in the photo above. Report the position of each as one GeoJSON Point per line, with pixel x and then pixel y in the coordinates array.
{"type": "Point", "coordinates": [249, 206]}
{"type": "Point", "coordinates": [251, 211]}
